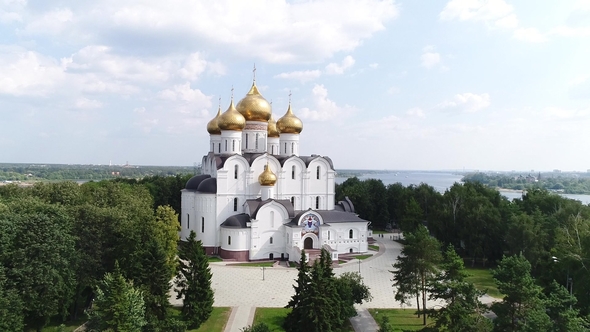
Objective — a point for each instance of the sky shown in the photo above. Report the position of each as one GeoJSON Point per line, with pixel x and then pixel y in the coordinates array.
{"type": "Point", "coordinates": [398, 85]}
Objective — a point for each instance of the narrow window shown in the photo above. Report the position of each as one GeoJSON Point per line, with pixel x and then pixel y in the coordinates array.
{"type": "Point", "coordinates": [213, 147]}
{"type": "Point", "coordinates": [236, 172]}
{"type": "Point", "coordinates": [271, 240]}
{"type": "Point", "coordinates": [225, 145]}
{"type": "Point", "coordinates": [233, 145]}
{"type": "Point", "coordinates": [229, 240]}
{"type": "Point", "coordinates": [246, 141]}
{"type": "Point", "coordinates": [350, 233]}
{"type": "Point", "coordinates": [272, 149]}
{"type": "Point", "coordinates": [256, 143]}
{"type": "Point", "coordinates": [293, 172]}
{"type": "Point", "coordinates": [218, 147]}
{"type": "Point", "coordinates": [293, 201]}
{"type": "Point", "coordinates": [285, 147]}
{"type": "Point", "coordinates": [318, 173]}
{"type": "Point", "coordinates": [328, 235]}
{"type": "Point", "coordinates": [292, 148]}
{"type": "Point", "coordinates": [317, 202]}
{"type": "Point", "coordinates": [202, 224]}
{"type": "Point", "coordinates": [236, 204]}
{"type": "Point", "coordinates": [188, 221]}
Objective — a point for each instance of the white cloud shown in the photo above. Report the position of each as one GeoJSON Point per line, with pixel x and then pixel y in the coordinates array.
{"type": "Point", "coordinates": [374, 65]}
{"type": "Point", "coordinates": [476, 10]}
{"type": "Point", "coordinates": [185, 93]}
{"type": "Point", "coordinates": [429, 59]}
{"type": "Point", "coordinates": [52, 22]}
{"type": "Point", "coordinates": [467, 102]}
{"type": "Point", "coordinates": [531, 35]}
{"type": "Point", "coordinates": [556, 113]}
{"type": "Point", "coordinates": [416, 111]}
{"type": "Point", "coordinates": [85, 103]}
{"type": "Point", "coordinates": [25, 72]}
{"type": "Point", "coordinates": [323, 108]}
{"type": "Point", "coordinates": [336, 69]}
{"type": "Point", "coordinates": [567, 31]}
{"type": "Point", "coordinates": [301, 75]}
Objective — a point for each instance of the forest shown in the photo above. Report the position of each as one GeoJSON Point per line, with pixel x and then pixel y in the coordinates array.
{"type": "Point", "coordinates": [551, 232]}
{"type": "Point", "coordinates": [568, 183]}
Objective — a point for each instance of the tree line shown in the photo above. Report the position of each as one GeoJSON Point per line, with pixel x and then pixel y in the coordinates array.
{"type": "Point", "coordinates": [551, 232]}
{"type": "Point", "coordinates": [106, 246]}
{"type": "Point", "coordinates": [569, 183]}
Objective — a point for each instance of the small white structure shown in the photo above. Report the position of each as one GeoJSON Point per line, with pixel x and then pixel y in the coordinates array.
{"type": "Point", "coordinates": [258, 198]}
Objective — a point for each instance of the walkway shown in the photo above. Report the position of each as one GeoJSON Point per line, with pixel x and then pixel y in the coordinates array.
{"type": "Point", "coordinates": [244, 289]}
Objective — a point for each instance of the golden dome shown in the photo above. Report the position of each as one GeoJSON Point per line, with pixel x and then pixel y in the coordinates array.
{"type": "Point", "coordinates": [213, 126]}
{"type": "Point", "coordinates": [289, 123]}
{"type": "Point", "coordinates": [267, 178]}
{"type": "Point", "coordinates": [254, 107]}
{"type": "Point", "coordinates": [231, 119]}
{"type": "Point", "coordinates": [272, 128]}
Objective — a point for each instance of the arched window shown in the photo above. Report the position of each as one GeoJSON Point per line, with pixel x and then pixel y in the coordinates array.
{"type": "Point", "coordinates": [233, 145]}
{"type": "Point", "coordinates": [272, 149]}
{"type": "Point", "coordinates": [350, 234]}
{"type": "Point", "coordinates": [256, 142]}
{"type": "Point", "coordinates": [317, 173]}
{"type": "Point", "coordinates": [202, 224]}
{"type": "Point", "coordinates": [236, 204]}
{"type": "Point", "coordinates": [271, 240]}
{"type": "Point", "coordinates": [293, 201]}
{"type": "Point", "coordinates": [329, 235]}
{"type": "Point", "coordinates": [235, 171]}
{"type": "Point", "coordinates": [317, 202]}
{"type": "Point", "coordinates": [229, 240]}
{"type": "Point", "coordinates": [218, 147]}
{"type": "Point", "coordinates": [293, 172]}
{"type": "Point", "coordinates": [285, 147]}
{"type": "Point", "coordinates": [246, 141]}
{"type": "Point", "coordinates": [225, 145]}
{"type": "Point", "coordinates": [292, 148]}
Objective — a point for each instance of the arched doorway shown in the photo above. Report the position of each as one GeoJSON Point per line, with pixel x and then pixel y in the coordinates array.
{"type": "Point", "coordinates": [308, 243]}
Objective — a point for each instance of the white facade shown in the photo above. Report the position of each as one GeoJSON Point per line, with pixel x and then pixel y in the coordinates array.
{"type": "Point", "coordinates": [236, 216]}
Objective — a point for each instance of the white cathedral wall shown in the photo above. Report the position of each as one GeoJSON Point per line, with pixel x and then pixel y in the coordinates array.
{"type": "Point", "coordinates": [292, 186]}
{"type": "Point", "coordinates": [235, 239]}
{"type": "Point", "coordinates": [268, 233]}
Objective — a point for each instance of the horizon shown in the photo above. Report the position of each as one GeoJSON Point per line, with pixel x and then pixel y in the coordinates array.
{"type": "Point", "coordinates": [401, 85]}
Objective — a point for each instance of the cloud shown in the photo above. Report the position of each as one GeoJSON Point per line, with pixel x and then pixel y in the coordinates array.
{"type": "Point", "coordinates": [185, 93]}
{"type": "Point", "coordinates": [467, 102]}
{"type": "Point", "coordinates": [323, 109]}
{"type": "Point", "coordinates": [476, 10]}
{"type": "Point", "coordinates": [337, 69]}
{"type": "Point", "coordinates": [529, 35]}
{"type": "Point", "coordinates": [301, 75]}
{"type": "Point", "coordinates": [429, 59]}
{"type": "Point", "coordinates": [494, 13]}
{"type": "Point", "coordinates": [85, 103]}
{"type": "Point", "coordinates": [374, 65]}
{"type": "Point", "coordinates": [25, 72]}
{"type": "Point", "coordinates": [297, 32]}
{"type": "Point", "coordinates": [556, 113]}
{"type": "Point", "coordinates": [567, 31]}
{"type": "Point", "coordinates": [393, 90]}
{"type": "Point", "coordinates": [416, 111]}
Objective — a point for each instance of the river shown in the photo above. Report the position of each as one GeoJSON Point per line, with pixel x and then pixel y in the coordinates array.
{"type": "Point", "coordinates": [440, 181]}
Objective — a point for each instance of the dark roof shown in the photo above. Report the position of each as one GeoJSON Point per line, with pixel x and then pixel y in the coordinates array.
{"type": "Point", "coordinates": [208, 186]}
{"type": "Point", "coordinates": [329, 217]}
{"type": "Point", "coordinates": [250, 157]}
{"type": "Point", "coordinates": [194, 182]}
{"type": "Point", "coordinates": [345, 205]}
{"type": "Point", "coordinates": [237, 221]}
{"type": "Point", "coordinates": [255, 204]}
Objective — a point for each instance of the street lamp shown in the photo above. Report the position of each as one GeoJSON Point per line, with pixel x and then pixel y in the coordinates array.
{"type": "Point", "coordinates": [359, 265]}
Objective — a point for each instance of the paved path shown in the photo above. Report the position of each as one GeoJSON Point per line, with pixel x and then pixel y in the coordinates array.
{"type": "Point", "coordinates": [244, 289]}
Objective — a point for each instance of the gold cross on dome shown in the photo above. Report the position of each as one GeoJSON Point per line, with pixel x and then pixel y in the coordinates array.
{"type": "Point", "coordinates": [254, 72]}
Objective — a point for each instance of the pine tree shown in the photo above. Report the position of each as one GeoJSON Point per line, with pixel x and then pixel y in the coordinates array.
{"type": "Point", "coordinates": [299, 300]}
{"type": "Point", "coordinates": [118, 305]}
{"type": "Point", "coordinates": [194, 282]}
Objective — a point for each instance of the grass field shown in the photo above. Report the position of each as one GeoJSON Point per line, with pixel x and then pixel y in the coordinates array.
{"type": "Point", "coordinates": [483, 280]}
{"type": "Point", "coordinates": [215, 323]}
{"type": "Point", "coordinates": [274, 318]}
{"type": "Point", "coordinates": [256, 264]}
{"type": "Point", "coordinates": [400, 319]}
{"type": "Point", "coordinates": [361, 257]}
{"type": "Point", "coordinates": [69, 326]}
{"type": "Point", "coordinates": [214, 259]}
{"type": "Point", "coordinates": [373, 247]}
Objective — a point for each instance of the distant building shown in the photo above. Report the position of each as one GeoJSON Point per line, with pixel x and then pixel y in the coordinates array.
{"type": "Point", "coordinates": [258, 198]}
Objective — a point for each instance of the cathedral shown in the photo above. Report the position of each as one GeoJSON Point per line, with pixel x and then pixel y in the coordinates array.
{"type": "Point", "coordinates": [258, 198]}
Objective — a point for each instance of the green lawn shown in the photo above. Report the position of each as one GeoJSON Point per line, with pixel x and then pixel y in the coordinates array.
{"type": "Point", "coordinates": [215, 323]}
{"type": "Point", "coordinates": [69, 326]}
{"type": "Point", "coordinates": [373, 247]}
{"type": "Point", "coordinates": [258, 264]}
{"type": "Point", "coordinates": [483, 280]}
{"type": "Point", "coordinates": [379, 232]}
{"type": "Point", "coordinates": [274, 318]}
{"type": "Point", "coordinates": [214, 259]}
{"type": "Point", "coordinates": [400, 319]}
{"type": "Point", "coordinates": [361, 257]}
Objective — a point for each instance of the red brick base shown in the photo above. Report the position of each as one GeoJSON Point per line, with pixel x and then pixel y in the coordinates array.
{"type": "Point", "coordinates": [242, 256]}
{"type": "Point", "coordinates": [211, 251]}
